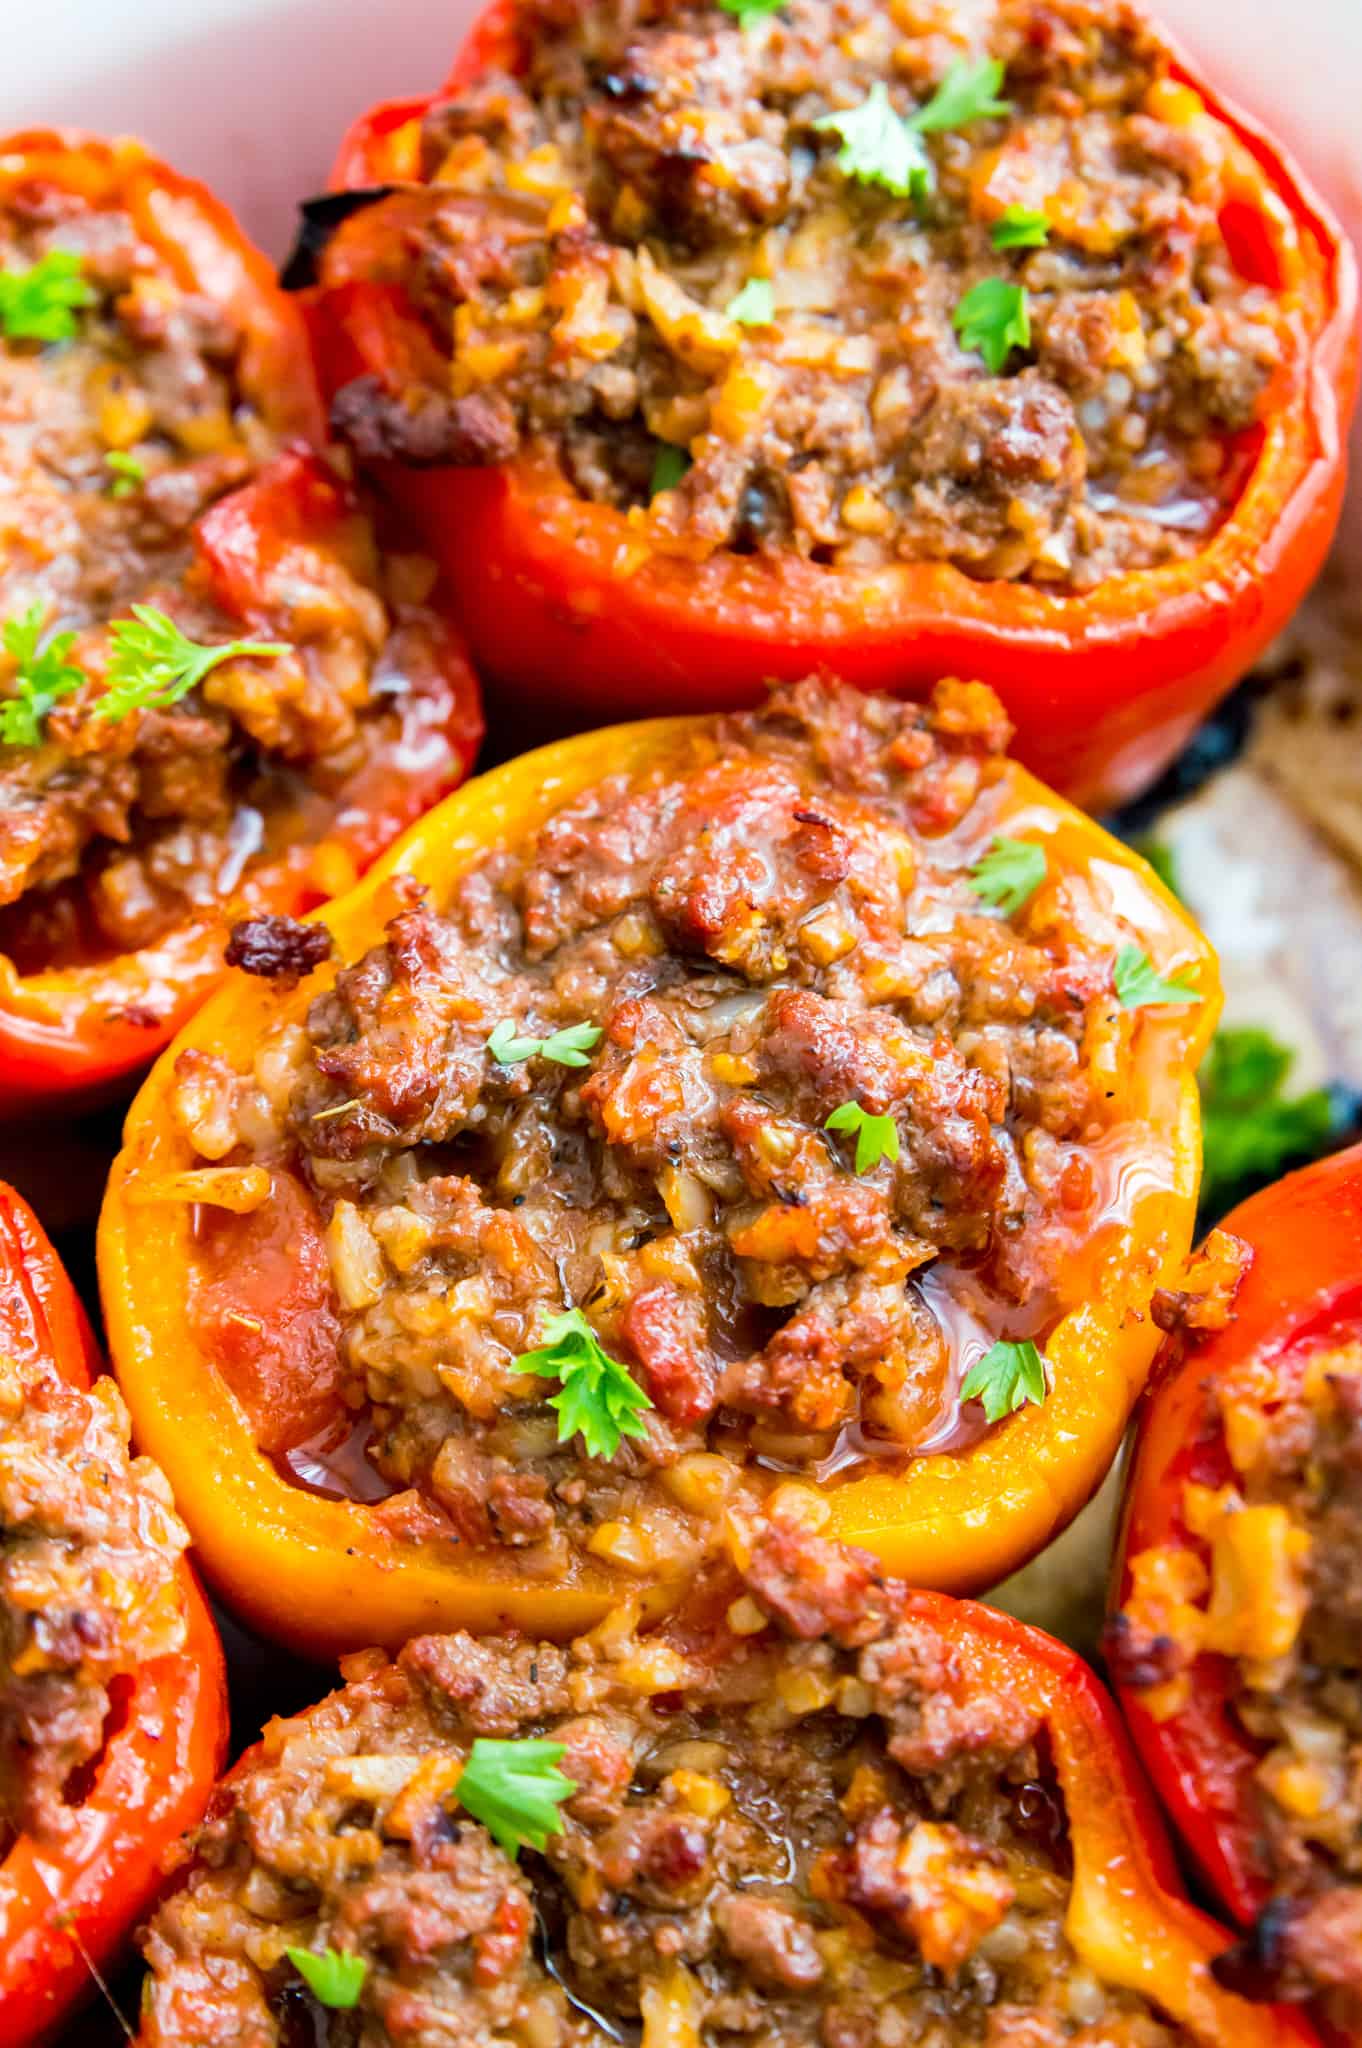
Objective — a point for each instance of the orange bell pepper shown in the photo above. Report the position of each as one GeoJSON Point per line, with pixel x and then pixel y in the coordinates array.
{"type": "Point", "coordinates": [73, 1032]}
{"type": "Point", "coordinates": [66, 1906]}
{"type": "Point", "coordinates": [1302, 1289]}
{"type": "Point", "coordinates": [329, 1573]}
{"type": "Point", "coordinates": [573, 615]}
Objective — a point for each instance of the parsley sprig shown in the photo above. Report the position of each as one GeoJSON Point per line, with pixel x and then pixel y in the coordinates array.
{"type": "Point", "coordinates": [1006, 1378]}
{"type": "Point", "coordinates": [755, 304]}
{"type": "Point", "coordinates": [41, 303]}
{"type": "Point", "coordinates": [968, 92]}
{"type": "Point", "coordinates": [877, 1137]}
{"type": "Point", "coordinates": [879, 147]}
{"type": "Point", "coordinates": [597, 1397]}
{"type": "Point", "coordinates": [883, 147]}
{"type": "Point", "coordinates": [1017, 227]}
{"type": "Point", "coordinates": [152, 664]}
{"type": "Point", "coordinates": [670, 464]}
{"type": "Point", "coordinates": [569, 1047]}
{"type": "Point", "coordinates": [750, 11]}
{"type": "Point", "coordinates": [1139, 986]}
{"type": "Point", "coordinates": [515, 1789]}
{"type": "Point", "coordinates": [126, 473]}
{"type": "Point", "coordinates": [994, 318]}
{"type": "Point", "coordinates": [1251, 1130]}
{"type": "Point", "coordinates": [44, 677]}
{"type": "Point", "coordinates": [1009, 874]}
{"type": "Point", "coordinates": [333, 1976]}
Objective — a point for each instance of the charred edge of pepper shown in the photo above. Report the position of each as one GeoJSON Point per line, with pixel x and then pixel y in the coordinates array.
{"type": "Point", "coordinates": [320, 219]}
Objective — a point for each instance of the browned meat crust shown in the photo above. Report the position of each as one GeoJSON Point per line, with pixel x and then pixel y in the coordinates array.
{"type": "Point", "coordinates": [593, 223]}
{"type": "Point", "coordinates": [828, 1842]}
{"type": "Point", "coordinates": [90, 1583]}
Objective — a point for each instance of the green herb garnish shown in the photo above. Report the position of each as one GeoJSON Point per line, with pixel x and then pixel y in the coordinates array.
{"type": "Point", "coordinates": [1009, 874]}
{"type": "Point", "coordinates": [515, 1789]}
{"type": "Point", "coordinates": [1250, 1130]}
{"type": "Point", "coordinates": [877, 1137]}
{"type": "Point", "coordinates": [597, 1399]}
{"type": "Point", "coordinates": [1140, 987]}
{"type": "Point", "coordinates": [41, 303]}
{"type": "Point", "coordinates": [669, 466]}
{"type": "Point", "coordinates": [569, 1047]}
{"type": "Point", "coordinates": [993, 318]}
{"type": "Point", "coordinates": [127, 474]}
{"type": "Point", "coordinates": [334, 1977]}
{"type": "Point", "coordinates": [749, 11]}
{"type": "Point", "coordinates": [1005, 1379]}
{"type": "Point", "coordinates": [755, 304]}
{"type": "Point", "coordinates": [152, 664]}
{"type": "Point", "coordinates": [1018, 228]}
{"type": "Point", "coordinates": [968, 92]}
{"type": "Point", "coordinates": [44, 677]}
{"type": "Point", "coordinates": [879, 147]}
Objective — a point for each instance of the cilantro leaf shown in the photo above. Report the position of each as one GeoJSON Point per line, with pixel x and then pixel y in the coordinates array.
{"type": "Point", "coordinates": [152, 664]}
{"type": "Point", "coordinates": [127, 473]}
{"type": "Point", "coordinates": [333, 1976]}
{"type": "Point", "coordinates": [41, 303]}
{"type": "Point", "coordinates": [1250, 1129]}
{"type": "Point", "coordinates": [993, 318]}
{"type": "Point", "coordinates": [669, 466]}
{"type": "Point", "coordinates": [879, 147]}
{"type": "Point", "coordinates": [597, 1398]}
{"type": "Point", "coordinates": [1006, 1378]}
{"type": "Point", "coordinates": [1009, 874]}
{"type": "Point", "coordinates": [44, 677]}
{"type": "Point", "coordinates": [877, 1137]}
{"type": "Point", "coordinates": [1140, 987]}
{"type": "Point", "coordinates": [515, 1789]}
{"type": "Point", "coordinates": [1018, 228]}
{"type": "Point", "coordinates": [755, 304]}
{"type": "Point", "coordinates": [569, 1047]}
{"type": "Point", "coordinates": [967, 93]}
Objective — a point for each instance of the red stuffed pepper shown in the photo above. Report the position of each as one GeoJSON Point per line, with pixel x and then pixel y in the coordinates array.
{"type": "Point", "coordinates": [1237, 1648]}
{"type": "Point", "coordinates": [112, 1702]}
{"type": "Point", "coordinates": [817, 1811]}
{"type": "Point", "coordinates": [712, 345]}
{"type": "Point", "coordinates": [218, 701]}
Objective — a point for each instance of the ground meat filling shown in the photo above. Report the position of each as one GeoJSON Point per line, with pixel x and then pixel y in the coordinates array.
{"type": "Point", "coordinates": [818, 1836]}
{"type": "Point", "coordinates": [114, 831]}
{"type": "Point", "coordinates": [1281, 1597]}
{"type": "Point", "coordinates": [587, 256]}
{"type": "Point", "coordinates": [774, 923]}
{"type": "Point", "coordinates": [90, 1586]}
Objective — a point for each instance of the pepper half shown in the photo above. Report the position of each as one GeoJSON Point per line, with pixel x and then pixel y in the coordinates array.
{"type": "Point", "coordinates": [331, 1573]}
{"type": "Point", "coordinates": [995, 1686]}
{"type": "Point", "coordinates": [574, 613]}
{"type": "Point", "coordinates": [67, 1904]}
{"type": "Point", "coordinates": [73, 1030]}
{"type": "Point", "coordinates": [1214, 1584]}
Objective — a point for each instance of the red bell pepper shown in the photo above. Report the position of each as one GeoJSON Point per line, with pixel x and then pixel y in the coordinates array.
{"type": "Point", "coordinates": [575, 618]}
{"type": "Point", "coordinates": [73, 1032]}
{"type": "Point", "coordinates": [1302, 1290]}
{"type": "Point", "coordinates": [67, 1905]}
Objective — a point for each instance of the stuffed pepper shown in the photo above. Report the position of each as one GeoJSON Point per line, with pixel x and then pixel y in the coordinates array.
{"type": "Point", "coordinates": [1237, 1648]}
{"type": "Point", "coordinates": [216, 698]}
{"type": "Point", "coordinates": [822, 1812]}
{"type": "Point", "coordinates": [112, 1704]}
{"type": "Point", "coordinates": [720, 342]}
{"type": "Point", "coordinates": [682, 1105]}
